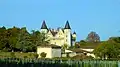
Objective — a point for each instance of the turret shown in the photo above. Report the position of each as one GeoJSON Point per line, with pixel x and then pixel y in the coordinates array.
{"type": "Point", "coordinates": [44, 28]}
{"type": "Point", "coordinates": [67, 32]}
{"type": "Point", "coordinates": [73, 38]}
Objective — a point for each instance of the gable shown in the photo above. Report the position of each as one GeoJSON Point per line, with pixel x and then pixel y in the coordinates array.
{"type": "Point", "coordinates": [49, 34]}
{"type": "Point", "coordinates": [60, 33]}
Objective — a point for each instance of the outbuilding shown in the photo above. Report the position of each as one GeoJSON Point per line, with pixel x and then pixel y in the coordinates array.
{"type": "Point", "coordinates": [50, 50]}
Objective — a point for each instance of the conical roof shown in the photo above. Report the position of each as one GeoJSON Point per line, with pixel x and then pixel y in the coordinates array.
{"type": "Point", "coordinates": [74, 32]}
{"type": "Point", "coordinates": [67, 26]}
{"type": "Point", "coordinates": [44, 26]}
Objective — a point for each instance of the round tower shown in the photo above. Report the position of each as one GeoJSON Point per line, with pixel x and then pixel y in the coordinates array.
{"type": "Point", "coordinates": [67, 34]}
{"type": "Point", "coordinates": [73, 38]}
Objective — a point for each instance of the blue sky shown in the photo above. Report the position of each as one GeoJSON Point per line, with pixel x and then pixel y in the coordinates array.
{"type": "Point", "coordinates": [101, 16]}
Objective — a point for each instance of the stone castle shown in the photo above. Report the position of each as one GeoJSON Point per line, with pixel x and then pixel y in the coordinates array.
{"type": "Point", "coordinates": [59, 36]}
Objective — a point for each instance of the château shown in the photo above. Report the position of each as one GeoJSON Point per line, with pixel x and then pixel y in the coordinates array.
{"type": "Point", "coordinates": [59, 36]}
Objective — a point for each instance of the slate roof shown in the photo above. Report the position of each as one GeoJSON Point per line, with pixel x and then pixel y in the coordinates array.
{"type": "Point", "coordinates": [67, 26]}
{"type": "Point", "coordinates": [44, 26]}
{"type": "Point", "coordinates": [74, 33]}
{"type": "Point", "coordinates": [56, 31]}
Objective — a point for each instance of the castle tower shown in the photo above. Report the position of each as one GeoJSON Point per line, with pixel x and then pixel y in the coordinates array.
{"type": "Point", "coordinates": [67, 34]}
{"type": "Point", "coordinates": [44, 28]}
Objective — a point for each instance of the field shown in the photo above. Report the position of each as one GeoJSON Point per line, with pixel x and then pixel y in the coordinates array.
{"type": "Point", "coordinates": [18, 59]}
{"type": "Point", "coordinates": [15, 62]}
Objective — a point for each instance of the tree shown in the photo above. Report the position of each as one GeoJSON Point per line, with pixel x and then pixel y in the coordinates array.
{"type": "Point", "coordinates": [23, 43]}
{"type": "Point", "coordinates": [37, 39]}
{"type": "Point", "coordinates": [93, 37]}
{"type": "Point", "coordinates": [3, 37]}
{"type": "Point", "coordinates": [108, 50]}
{"type": "Point", "coordinates": [82, 42]}
{"type": "Point", "coordinates": [16, 39]}
{"type": "Point", "coordinates": [114, 39]}
{"type": "Point", "coordinates": [13, 37]}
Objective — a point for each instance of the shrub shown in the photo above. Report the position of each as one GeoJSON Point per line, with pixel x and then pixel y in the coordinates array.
{"type": "Point", "coordinates": [25, 57]}
{"type": "Point", "coordinates": [36, 55]}
{"type": "Point", "coordinates": [12, 54]}
{"type": "Point", "coordinates": [43, 55]}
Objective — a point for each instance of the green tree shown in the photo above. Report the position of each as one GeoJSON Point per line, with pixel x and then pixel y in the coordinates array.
{"type": "Point", "coordinates": [23, 43]}
{"type": "Point", "coordinates": [82, 42]}
{"type": "Point", "coordinates": [114, 39]}
{"type": "Point", "coordinates": [16, 39]}
{"type": "Point", "coordinates": [4, 40]}
{"type": "Point", "coordinates": [13, 37]}
{"type": "Point", "coordinates": [37, 39]}
{"type": "Point", "coordinates": [108, 50]}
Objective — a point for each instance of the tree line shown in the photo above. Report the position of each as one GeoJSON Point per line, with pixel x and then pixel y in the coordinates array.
{"type": "Point", "coordinates": [19, 39]}
{"type": "Point", "coordinates": [109, 49]}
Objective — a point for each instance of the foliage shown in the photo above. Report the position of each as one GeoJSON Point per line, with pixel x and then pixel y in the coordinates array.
{"type": "Point", "coordinates": [65, 46]}
{"type": "Point", "coordinates": [93, 37]}
{"type": "Point", "coordinates": [12, 54]}
{"type": "Point", "coordinates": [19, 39]}
{"type": "Point", "coordinates": [81, 57]}
{"type": "Point", "coordinates": [84, 44]}
{"type": "Point", "coordinates": [36, 55]}
{"type": "Point", "coordinates": [17, 55]}
{"type": "Point", "coordinates": [25, 57]}
{"type": "Point", "coordinates": [43, 54]}
{"type": "Point", "coordinates": [107, 50]}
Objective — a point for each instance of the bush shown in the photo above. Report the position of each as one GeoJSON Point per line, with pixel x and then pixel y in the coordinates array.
{"type": "Point", "coordinates": [25, 57]}
{"type": "Point", "coordinates": [12, 54]}
{"type": "Point", "coordinates": [36, 55]}
{"type": "Point", "coordinates": [43, 55]}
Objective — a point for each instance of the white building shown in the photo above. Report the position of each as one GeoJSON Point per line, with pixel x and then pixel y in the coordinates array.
{"type": "Point", "coordinates": [60, 36]}
{"type": "Point", "coordinates": [50, 50]}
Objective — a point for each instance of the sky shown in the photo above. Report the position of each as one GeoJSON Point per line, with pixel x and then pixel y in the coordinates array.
{"type": "Point", "coordinates": [84, 16]}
